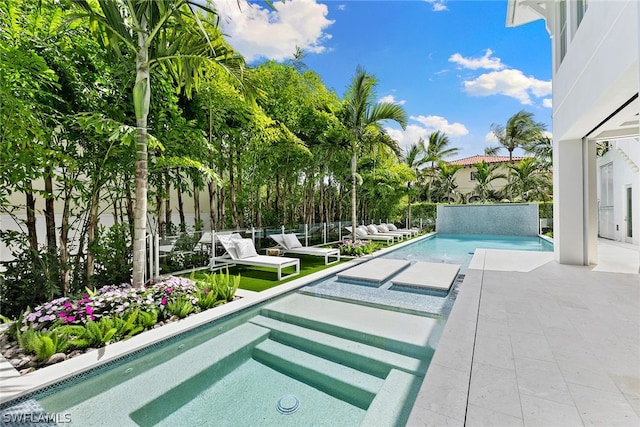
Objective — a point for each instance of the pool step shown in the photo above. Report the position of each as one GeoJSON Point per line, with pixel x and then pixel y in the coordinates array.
{"type": "Point", "coordinates": [408, 334]}
{"type": "Point", "coordinates": [366, 358]}
{"type": "Point", "coordinates": [393, 402]}
{"type": "Point", "coordinates": [190, 373]}
{"type": "Point", "coordinates": [342, 382]}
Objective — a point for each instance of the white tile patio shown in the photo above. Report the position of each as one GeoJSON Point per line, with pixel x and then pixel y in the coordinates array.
{"type": "Point", "coordinates": [550, 344]}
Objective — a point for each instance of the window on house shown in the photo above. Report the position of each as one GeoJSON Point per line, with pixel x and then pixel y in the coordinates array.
{"type": "Point", "coordinates": [473, 176]}
{"type": "Point", "coordinates": [563, 30]}
{"type": "Point", "coordinates": [581, 6]}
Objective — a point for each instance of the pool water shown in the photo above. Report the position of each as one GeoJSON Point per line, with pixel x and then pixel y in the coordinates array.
{"type": "Point", "coordinates": [329, 354]}
{"type": "Point", "coordinates": [459, 248]}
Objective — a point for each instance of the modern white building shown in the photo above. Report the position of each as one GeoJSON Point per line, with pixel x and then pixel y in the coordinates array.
{"type": "Point", "coordinates": [596, 79]}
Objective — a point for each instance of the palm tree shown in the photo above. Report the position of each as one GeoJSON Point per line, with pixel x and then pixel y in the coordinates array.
{"type": "Point", "coordinates": [414, 158]}
{"type": "Point", "coordinates": [484, 176]}
{"type": "Point", "coordinates": [168, 33]}
{"type": "Point", "coordinates": [519, 131]}
{"type": "Point", "coordinates": [437, 150]}
{"type": "Point", "coordinates": [542, 149]}
{"type": "Point", "coordinates": [527, 182]}
{"type": "Point", "coordinates": [363, 119]}
{"type": "Point", "coordinates": [447, 177]}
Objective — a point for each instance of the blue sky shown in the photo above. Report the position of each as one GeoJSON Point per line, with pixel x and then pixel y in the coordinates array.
{"type": "Point", "coordinates": [453, 65]}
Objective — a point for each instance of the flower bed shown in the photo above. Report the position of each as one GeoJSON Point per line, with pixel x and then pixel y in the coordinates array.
{"type": "Point", "coordinates": [356, 248]}
{"type": "Point", "coordinates": [65, 327]}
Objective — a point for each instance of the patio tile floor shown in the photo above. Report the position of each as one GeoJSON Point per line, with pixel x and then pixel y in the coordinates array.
{"type": "Point", "coordinates": [552, 345]}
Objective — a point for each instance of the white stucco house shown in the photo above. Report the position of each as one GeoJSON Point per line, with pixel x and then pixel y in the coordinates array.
{"type": "Point", "coordinates": [596, 80]}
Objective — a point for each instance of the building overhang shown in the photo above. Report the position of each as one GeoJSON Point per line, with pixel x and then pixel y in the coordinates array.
{"type": "Point", "coordinates": [621, 124]}
{"type": "Point", "coordinates": [520, 12]}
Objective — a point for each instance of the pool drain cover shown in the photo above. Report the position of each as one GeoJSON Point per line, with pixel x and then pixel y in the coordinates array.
{"type": "Point", "coordinates": [287, 404]}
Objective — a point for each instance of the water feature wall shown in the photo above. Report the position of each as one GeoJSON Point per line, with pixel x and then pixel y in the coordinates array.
{"type": "Point", "coordinates": [513, 219]}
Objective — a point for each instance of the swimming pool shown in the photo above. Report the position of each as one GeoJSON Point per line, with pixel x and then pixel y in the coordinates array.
{"type": "Point", "coordinates": [306, 358]}
{"type": "Point", "coordinates": [459, 248]}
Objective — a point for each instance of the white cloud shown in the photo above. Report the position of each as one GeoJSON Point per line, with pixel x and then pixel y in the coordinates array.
{"type": "Point", "coordinates": [438, 5]}
{"type": "Point", "coordinates": [392, 99]}
{"type": "Point", "coordinates": [428, 124]}
{"type": "Point", "coordinates": [547, 103]}
{"type": "Point", "coordinates": [508, 82]}
{"type": "Point", "coordinates": [434, 123]}
{"type": "Point", "coordinates": [485, 61]}
{"type": "Point", "coordinates": [409, 136]}
{"type": "Point", "coordinates": [258, 32]}
{"type": "Point", "coordinates": [342, 7]}
{"type": "Point", "coordinates": [490, 138]}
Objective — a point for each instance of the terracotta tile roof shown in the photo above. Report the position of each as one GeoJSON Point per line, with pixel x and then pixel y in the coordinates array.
{"type": "Point", "coordinates": [468, 161]}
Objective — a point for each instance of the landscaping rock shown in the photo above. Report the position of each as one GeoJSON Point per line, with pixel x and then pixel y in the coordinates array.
{"type": "Point", "coordinates": [74, 353]}
{"type": "Point", "coordinates": [23, 363]}
{"type": "Point", "coordinates": [56, 358]}
{"type": "Point", "coordinates": [27, 371]}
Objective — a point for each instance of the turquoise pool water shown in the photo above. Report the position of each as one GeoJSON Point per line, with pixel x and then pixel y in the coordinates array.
{"type": "Point", "coordinates": [459, 248]}
{"type": "Point", "coordinates": [329, 354]}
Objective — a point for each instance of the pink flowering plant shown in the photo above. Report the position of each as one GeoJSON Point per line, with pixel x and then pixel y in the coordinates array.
{"type": "Point", "coordinates": [113, 312]}
{"type": "Point", "coordinates": [356, 248]}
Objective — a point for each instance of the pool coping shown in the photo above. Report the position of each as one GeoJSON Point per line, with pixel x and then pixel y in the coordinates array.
{"type": "Point", "coordinates": [15, 385]}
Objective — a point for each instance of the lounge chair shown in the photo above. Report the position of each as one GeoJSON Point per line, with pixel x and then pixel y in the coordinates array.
{"type": "Point", "coordinates": [364, 235]}
{"type": "Point", "coordinates": [373, 230]}
{"type": "Point", "coordinates": [241, 251]}
{"type": "Point", "coordinates": [384, 228]}
{"type": "Point", "coordinates": [392, 227]}
{"type": "Point", "coordinates": [289, 243]}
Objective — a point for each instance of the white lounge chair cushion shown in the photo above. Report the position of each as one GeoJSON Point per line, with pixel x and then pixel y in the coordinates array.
{"type": "Point", "coordinates": [226, 240]}
{"type": "Point", "coordinates": [383, 228]}
{"type": "Point", "coordinates": [291, 241]}
{"type": "Point", "coordinates": [392, 227]}
{"type": "Point", "coordinates": [360, 233]}
{"type": "Point", "coordinates": [372, 229]}
{"type": "Point", "coordinates": [244, 248]}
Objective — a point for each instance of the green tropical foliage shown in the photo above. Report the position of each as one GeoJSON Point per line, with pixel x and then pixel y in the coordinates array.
{"type": "Point", "coordinates": [139, 109]}
{"type": "Point", "coordinates": [485, 174]}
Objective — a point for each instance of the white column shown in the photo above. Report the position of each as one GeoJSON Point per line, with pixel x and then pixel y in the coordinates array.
{"type": "Point", "coordinates": [575, 207]}
{"type": "Point", "coordinates": [568, 202]}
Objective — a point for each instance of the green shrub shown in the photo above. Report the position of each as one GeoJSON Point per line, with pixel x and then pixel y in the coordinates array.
{"type": "Point", "coordinates": [31, 278]}
{"type": "Point", "coordinates": [355, 248]}
{"type": "Point", "coordinates": [113, 252]}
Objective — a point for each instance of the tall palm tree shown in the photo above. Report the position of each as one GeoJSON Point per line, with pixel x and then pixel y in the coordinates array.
{"type": "Point", "coordinates": [485, 175]}
{"type": "Point", "coordinates": [167, 33]}
{"type": "Point", "coordinates": [436, 150]}
{"type": "Point", "coordinates": [521, 129]}
{"type": "Point", "coordinates": [414, 157]}
{"type": "Point", "coordinates": [363, 118]}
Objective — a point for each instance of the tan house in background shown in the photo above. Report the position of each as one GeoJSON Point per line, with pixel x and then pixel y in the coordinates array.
{"type": "Point", "coordinates": [465, 177]}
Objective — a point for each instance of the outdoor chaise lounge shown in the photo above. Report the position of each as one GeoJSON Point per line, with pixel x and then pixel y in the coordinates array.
{"type": "Point", "coordinates": [289, 243]}
{"type": "Point", "coordinates": [374, 230]}
{"type": "Point", "coordinates": [241, 251]}
{"type": "Point", "coordinates": [364, 235]}
{"type": "Point", "coordinates": [412, 231]}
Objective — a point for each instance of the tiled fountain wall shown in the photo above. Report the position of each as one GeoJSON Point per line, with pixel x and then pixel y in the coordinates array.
{"type": "Point", "coordinates": [519, 219]}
